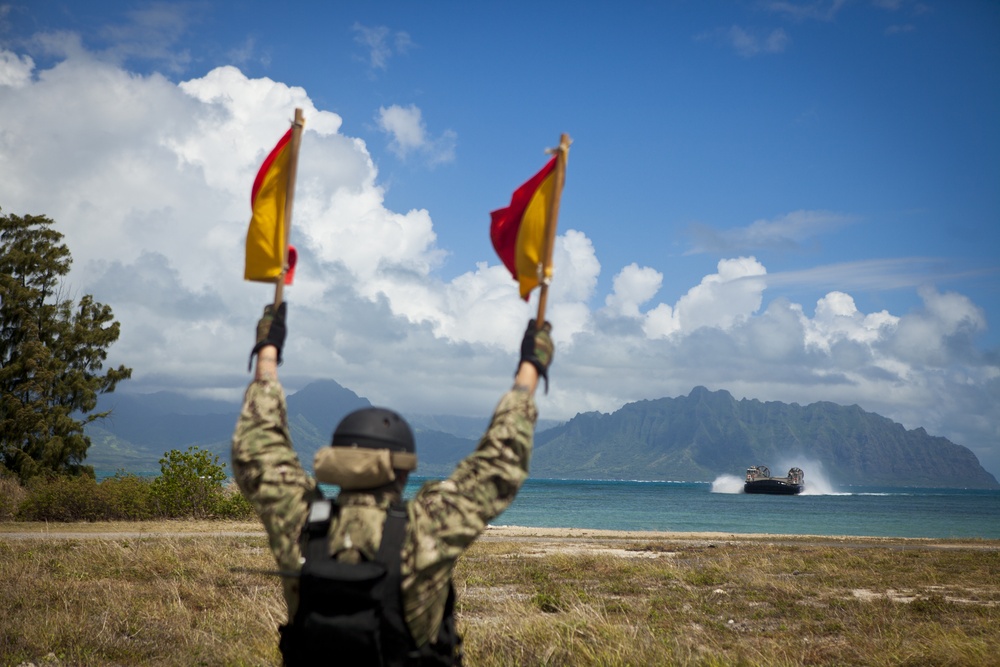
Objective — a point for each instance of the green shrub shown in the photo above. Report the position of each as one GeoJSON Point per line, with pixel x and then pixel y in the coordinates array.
{"type": "Point", "coordinates": [129, 497]}
{"type": "Point", "coordinates": [189, 485]}
{"type": "Point", "coordinates": [120, 498]}
{"type": "Point", "coordinates": [63, 499]}
{"type": "Point", "coordinates": [12, 494]}
{"type": "Point", "coordinates": [232, 505]}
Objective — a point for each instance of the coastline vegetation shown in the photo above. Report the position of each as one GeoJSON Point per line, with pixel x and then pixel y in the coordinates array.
{"type": "Point", "coordinates": [191, 485]}
{"type": "Point", "coordinates": [545, 598]}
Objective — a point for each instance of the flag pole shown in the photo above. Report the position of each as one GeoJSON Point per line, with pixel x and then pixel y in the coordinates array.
{"type": "Point", "coordinates": [293, 167]}
{"type": "Point", "coordinates": [562, 153]}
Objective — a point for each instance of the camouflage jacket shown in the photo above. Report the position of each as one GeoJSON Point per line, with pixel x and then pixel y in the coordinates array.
{"type": "Point", "coordinates": [444, 517]}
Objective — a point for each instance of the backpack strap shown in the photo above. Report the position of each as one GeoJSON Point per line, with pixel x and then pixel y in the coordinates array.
{"type": "Point", "coordinates": [390, 550]}
{"type": "Point", "coordinates": [447, 649]}
{"type": "Point", "coordinates": [390, 554]}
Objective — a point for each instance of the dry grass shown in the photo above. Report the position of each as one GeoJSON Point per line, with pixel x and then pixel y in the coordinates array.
{"type": "Point", "coordinates": [549, 600]}
{"type": "Point", "coordinates": [166, 601]}
{"type": "Point", "coordinates": [739, 602]}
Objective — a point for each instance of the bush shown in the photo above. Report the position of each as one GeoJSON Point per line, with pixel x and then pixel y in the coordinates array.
{"type": "Point", "coordinates": [63, 499]}
{"type": "Point", "coordinates": [189, 485]}
{"type": "Point", "coordinates": [12, 494]}
{"type": "Point", "coordinates": [123, 497]}
{"type": "Point", "coordinates": [233, 505]}
{"type": "Point", "coordinates": [129, 497]}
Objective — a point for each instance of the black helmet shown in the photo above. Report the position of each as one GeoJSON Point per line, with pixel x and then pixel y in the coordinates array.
{"type": "Point", "coordinates": [374, 428]}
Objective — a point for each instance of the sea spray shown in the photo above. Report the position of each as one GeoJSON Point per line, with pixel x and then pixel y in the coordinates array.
{"type": "Point", "coordinates": [816, 482]}
{"type": "Point", "coordinates": [727, 484]}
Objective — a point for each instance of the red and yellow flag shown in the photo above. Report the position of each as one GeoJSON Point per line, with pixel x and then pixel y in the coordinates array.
{"type": "Point", "coordinates": [265, 255]}
{"type": "Point", "coordinates": [519, 231]}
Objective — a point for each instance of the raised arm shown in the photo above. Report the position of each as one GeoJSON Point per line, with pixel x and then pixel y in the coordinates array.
{"type": "Point", "coordinates": [449, 515]}
{"type": "Point", "coordinates": [265, 466]}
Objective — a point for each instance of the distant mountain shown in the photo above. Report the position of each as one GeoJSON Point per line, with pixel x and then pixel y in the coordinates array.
{"type": "Point", "coordinates": [323, 404]}
{"type": "Point", "coordinates": [705, 434]}
{"type": "Point", "coordinates": [142, 427]}
{"type": "Point", "coordinates": [694, 438]}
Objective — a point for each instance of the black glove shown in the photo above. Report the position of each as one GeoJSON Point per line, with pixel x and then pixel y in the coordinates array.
{"type": "Point", "coordinates": [537, 349]}
{"type": "Point", "coordinates": [270, 330]}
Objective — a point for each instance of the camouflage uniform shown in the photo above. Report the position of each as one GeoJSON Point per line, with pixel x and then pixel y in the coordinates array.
{"type": "Point", "coordinates": [444, 517]}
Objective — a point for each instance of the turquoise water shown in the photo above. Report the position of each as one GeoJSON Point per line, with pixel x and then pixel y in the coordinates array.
{"type": "Point", "coordinates": [721, 507]}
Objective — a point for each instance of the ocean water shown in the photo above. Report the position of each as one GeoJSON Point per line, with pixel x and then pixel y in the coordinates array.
{"type": "Point", "coordinates": [721, 506]}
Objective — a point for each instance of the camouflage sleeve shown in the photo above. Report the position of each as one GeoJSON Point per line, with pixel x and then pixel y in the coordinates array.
{"type": "Point", "coordinates": [448, 515]}
{"type": "Point", "coordinates": [270, 476]}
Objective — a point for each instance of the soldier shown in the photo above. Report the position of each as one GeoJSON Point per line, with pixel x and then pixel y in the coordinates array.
{"type": "Point", "coordinates": [370, 457]}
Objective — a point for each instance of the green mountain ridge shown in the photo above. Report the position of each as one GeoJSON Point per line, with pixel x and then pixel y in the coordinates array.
{"type": "Point", "coordinates": [706, 434]}
{"type": "Point", "coordinates": [691, 438]}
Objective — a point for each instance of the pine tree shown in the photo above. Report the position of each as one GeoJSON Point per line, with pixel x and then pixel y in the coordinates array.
{"type": "Point", "coordinates": [52, 352]}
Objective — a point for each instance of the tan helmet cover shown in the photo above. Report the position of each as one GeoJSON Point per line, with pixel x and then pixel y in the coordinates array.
{"type": "Point", "coordinates": [353, 468]}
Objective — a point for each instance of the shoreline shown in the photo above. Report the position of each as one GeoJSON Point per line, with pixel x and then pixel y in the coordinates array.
{"type": "Point", "coordinates": [580, 536]}
{"type": "Point", "coordinates": [599, 538]}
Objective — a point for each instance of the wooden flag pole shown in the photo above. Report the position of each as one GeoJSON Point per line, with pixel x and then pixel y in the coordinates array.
{"type": "Point", "coordinates": [293, 168]}
{"type": "Point", "coordinates": [562, 154]}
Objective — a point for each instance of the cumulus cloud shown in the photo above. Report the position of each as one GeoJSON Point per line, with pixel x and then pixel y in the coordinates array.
{"type": "Point", "coordinates": [633, 286]}
{"type": "Point", "coordinates": [940, 332]}
{"type": "Point", "coordinates": [837, 318]}
{"type": "Point", "coordinates": [722, 299]}
{"type": "Point", "coordinates": [149, 181]}
{"type": "Point", "coordinates": [15, 70]}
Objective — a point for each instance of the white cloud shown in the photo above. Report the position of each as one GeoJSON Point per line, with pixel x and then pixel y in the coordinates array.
{"type": "Point", "coordinates": [721, 300]}
{"type": "Point", "coordinates": [939, 333]}
{"type": "Point", "coordinates": [724, 298]}
{"type": "Point", "coordinates": [15, 71]}
{"type": "Point", "coordinates": [749, 44]}
{"type": "Point", "coordinates": [151, 33]}
{"type": "Point", "coordinates": [405, 125]}
{"type": "Point", "coordinates": [408, 134]}
{"type": "Point", "coordinates": [837, 318]}
{"type": "Point", "coordinates": [784, 232]}
{"type": "Point", "coordinates": [882, 274]}
{"type": "Point", "coordinates": [633, 286]}
{"type": "Point", "coordinates": [381, 43]}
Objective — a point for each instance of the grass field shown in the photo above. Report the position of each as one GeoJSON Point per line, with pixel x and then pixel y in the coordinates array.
{"type": "Point", "coordinates": [177, 593]}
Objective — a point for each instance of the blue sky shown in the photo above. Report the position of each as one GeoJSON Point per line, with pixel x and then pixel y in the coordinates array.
{"type": "Point", "coordinates": [792, 201]}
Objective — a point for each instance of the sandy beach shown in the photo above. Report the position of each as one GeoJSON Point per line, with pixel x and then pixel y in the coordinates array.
{"type": "Point", "coordinates": [544, 539]}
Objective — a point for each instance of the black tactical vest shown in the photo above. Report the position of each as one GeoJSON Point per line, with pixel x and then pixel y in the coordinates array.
{"type": "Point", "coordinates": [352, 613]}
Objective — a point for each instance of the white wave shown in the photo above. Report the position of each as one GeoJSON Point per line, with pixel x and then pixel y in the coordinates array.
{"type": "Point", "coordinates": [727, 484]}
